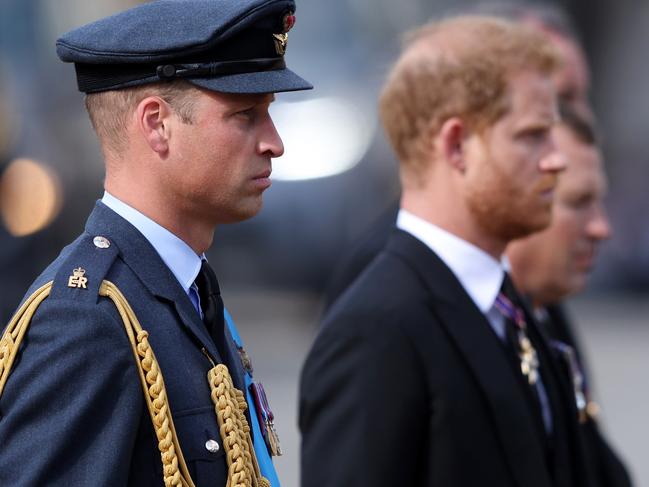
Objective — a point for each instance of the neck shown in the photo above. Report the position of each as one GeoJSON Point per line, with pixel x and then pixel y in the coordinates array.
{"type": "Point", "coordinates": [442, 208]}
{"type": "Point", "coordinates": [198, 235]}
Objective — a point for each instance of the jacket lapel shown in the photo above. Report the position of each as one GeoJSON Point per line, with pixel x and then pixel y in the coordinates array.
{"type": "Point", "coordinates": [468, 328]}
{"type": "Point", "coordinates": [140, 256]}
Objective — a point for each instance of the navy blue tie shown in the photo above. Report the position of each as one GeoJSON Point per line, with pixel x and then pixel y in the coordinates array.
{"type": "Point", "coordinates": [212, 307]}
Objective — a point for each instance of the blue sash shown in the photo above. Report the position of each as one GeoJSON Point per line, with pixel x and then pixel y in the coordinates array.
{"type": "Point", "coordinates": [263, 457]}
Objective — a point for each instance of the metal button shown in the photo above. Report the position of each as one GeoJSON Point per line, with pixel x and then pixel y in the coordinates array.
{"type": "Point", "coordinates": [212, 446]}
{"type": "Point", "coordinates": [101, 242]}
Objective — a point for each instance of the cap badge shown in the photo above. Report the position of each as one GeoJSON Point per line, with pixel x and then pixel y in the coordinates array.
{"type": "Point", "coordinates": [78, 279]}
{"type": "Point", "coordinates": [281, 40]}
{"type": "Point", "coordinates": [288, 21]}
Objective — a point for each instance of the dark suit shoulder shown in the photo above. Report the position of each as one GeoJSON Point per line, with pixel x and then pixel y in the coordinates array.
{"type": "Point", "coordinates": [387, 289]}
{"type": "Point", "coordinates": [406, 278]}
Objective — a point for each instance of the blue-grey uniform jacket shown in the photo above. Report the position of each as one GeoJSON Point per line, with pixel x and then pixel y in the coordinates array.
{"type": "Point", "coordinates": [73, 411]}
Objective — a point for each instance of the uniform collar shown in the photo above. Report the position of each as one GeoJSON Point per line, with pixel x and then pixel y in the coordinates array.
{"type": "Point", "coordinates": [183, 262]}
{"type": "Point", "coordinates": [479, 273]}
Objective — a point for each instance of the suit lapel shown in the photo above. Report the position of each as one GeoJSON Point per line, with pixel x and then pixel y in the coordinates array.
{"type": "Point", "coordinates": [140, 256]}
{"type": "Point", "coordinates": [483, 353]}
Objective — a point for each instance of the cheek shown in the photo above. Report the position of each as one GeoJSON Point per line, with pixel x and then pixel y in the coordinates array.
{"type": "Point", "coordinates": [567, 225]}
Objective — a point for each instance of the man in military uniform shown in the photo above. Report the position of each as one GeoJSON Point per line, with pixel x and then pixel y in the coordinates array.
{"type": "Point", "coordinates": [429, 369]}
{"type": "Point", "coordinates": [120, 368]}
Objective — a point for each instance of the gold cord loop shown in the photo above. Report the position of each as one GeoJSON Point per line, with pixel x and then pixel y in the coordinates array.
{"type": "Point", "coordinates": [230, 405]}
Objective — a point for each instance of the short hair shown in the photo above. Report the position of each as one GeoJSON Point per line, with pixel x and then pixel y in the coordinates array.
{"type": "Point", "coordinates": [583, 128]}
{"type": "Point", "coordinates": [109, 110]}
{"type": "Point", "coordinates": [456, 67]}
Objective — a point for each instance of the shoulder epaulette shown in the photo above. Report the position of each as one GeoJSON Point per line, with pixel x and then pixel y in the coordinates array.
{"type": "Point", "coordinates": [81, 274]}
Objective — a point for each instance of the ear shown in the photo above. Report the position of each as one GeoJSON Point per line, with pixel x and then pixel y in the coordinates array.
{"type": "Point", "coordinates": [450, 141]}
{"type": "Point", "coordinates": [153, 119]}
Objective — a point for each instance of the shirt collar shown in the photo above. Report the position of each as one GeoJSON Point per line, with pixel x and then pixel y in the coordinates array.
{"type": "Point", "coordinates": [183, 262]}
{"type": "Point", "coordinates": [479, 273]}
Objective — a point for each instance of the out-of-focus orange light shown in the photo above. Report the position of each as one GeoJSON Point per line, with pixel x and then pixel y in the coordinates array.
{"type": "Point", "coordinates": [30, 197]}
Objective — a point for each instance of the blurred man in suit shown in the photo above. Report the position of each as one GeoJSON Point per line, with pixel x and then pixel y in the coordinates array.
{"type": "Point", "coordinates": [580, 224]}
{"type": "Point", "coordinates": [428, 369]}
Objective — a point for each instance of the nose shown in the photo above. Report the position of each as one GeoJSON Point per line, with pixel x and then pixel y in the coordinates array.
{"type": "Point", "coordinates": [270, 143]}
{"type": "Point", "coordinates": [554, 162]}
{"type": "Point", "coordinates": [599, 227]}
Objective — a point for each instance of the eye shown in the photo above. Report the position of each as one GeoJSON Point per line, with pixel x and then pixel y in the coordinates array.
{"type": "Point", "coordinates": [580, 202]}
{"type": "Point", "coordinates": [247, 113]}
{"type": "Point", "coordinates": [535, 135]}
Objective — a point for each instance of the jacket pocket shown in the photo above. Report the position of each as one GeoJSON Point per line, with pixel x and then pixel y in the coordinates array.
{"type": "Point", "coordinates": [202, 446]}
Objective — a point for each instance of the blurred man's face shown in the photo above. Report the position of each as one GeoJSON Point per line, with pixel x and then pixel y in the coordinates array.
{"type": "Point", "coordinates": [553, 264]}
{"type": "Point", "coordinates": [509, 189]}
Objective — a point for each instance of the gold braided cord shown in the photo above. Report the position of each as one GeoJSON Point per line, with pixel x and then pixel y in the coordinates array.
{"type": "Point", "coordinates": [230, 406]}
{"type": "Point", "coordinates": [175, 471]}
{"type": "Point", "coordinates": [230, 403]}
{"type": "Point", "coordinates": [15, 331]}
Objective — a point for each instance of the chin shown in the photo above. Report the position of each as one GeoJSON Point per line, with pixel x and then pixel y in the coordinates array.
{"type": "Point", "coordinates": [247, 213]}
{"type": "Point", "coordinates": [534, 225]}
{"type": "Point", "coordinates": [521, 229]}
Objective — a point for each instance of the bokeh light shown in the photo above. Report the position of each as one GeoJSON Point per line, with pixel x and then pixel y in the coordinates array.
{"type": "Point", "coordinates": [322, 137]}
{"type": "Point", "coordinates": [30, 197]}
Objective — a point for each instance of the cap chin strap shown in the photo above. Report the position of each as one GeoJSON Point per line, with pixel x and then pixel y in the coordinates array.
{"type": "Point", "coordinates": [172, 71]}
{"type": "Point", "coordinates": [94, 78]}
{"type": "Point", "coordinates": [229, 402]}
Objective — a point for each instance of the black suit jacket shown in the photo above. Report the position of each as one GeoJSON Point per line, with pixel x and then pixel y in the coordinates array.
{"type": "Point", "coordinates": [408, 385]}
{"type": "Point", "coordinates": [609, 468]}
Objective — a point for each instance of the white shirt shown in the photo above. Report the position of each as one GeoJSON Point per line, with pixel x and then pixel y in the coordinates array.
{"type": "Point", "coordinates": [479, 273]}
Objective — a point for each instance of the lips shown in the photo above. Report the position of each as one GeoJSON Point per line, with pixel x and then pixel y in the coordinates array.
{"type": "Point", "coordinates": [584, 259]}
{"type": "Point", "coordinates": [547, 187]}
{"type": "Point", "coordinates": [263, 175]}
{"type": "Point", "coordinates": [261, 181]}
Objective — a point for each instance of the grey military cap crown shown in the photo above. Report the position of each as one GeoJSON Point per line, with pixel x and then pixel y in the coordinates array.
{"type": "Point", "coordinates": [231, 46]}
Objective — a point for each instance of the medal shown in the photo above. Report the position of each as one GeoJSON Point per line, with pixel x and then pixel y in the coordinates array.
{"type": "Point", "coordinates": [266, 419]}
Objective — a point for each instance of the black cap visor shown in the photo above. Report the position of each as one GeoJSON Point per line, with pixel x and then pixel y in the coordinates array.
{"type": "Point", "coordinates": [275, 81]}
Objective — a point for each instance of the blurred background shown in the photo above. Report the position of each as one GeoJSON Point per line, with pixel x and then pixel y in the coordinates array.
{"type": "Point", "coordinates": [337, 176]}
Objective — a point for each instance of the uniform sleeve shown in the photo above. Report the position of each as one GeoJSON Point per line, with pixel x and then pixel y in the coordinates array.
{"type": "Point", "coordinates": [362, 401]}
{"type": "Point", "coordinates": [70, 410]}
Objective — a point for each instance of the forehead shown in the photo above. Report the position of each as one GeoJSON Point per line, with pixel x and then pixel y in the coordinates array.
{"type": "Point", "coordinates": [532, 98]}
{"type": "Point", "coordinates": [572, 78]}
